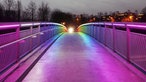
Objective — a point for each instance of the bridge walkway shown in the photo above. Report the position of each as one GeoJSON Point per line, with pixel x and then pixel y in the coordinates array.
{"type": "Point", "coordinates": [77, 57]}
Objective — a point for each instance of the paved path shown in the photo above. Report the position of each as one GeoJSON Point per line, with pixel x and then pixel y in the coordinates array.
{"type": "Point", "coordinates": [79, 58]}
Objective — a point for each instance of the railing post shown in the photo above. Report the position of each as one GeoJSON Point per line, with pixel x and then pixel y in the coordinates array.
{"type": "Point", "coordinates": [114, 29]}
{"type": "Point", "coordinates": [31, 39]}
{"type": "Point", "coordinates": [18, 46]}
{"type": "Point", "coordinates": [105, 34]}
{"type": "Point", "coordinates": [92, 31]}
{"type": "Point", "coordinates": [128, 42]}
{"type": "Point", "coordinates": [39, 34]}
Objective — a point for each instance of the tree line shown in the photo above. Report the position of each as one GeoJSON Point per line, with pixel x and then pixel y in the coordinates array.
{"type": "Point", "coordinates": [13, 11]}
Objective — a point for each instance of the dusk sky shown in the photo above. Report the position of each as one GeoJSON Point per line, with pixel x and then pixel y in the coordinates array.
{"type": "Point", "coordinates": [93, 6]}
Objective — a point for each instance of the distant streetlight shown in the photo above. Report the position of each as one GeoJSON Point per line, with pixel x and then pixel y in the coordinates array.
{"type": "Point", "coordinates": [131, 18]}
{"type": "Point", "coordinates": [70, 29]}
{"type": "Point", "coordinates": [77, 19]}
{"type": "Point", "coordinates": [112, 19]}
{"type": "Point", "coordinates": [94, 19]}
{"type": "Point", "coordinates": [63, 23]}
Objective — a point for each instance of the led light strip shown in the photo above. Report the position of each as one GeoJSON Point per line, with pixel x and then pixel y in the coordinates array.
{"type": "Point", "coordinates": [54, 24]}
{"type": "Point", "coordinates": [119, 24]}
{"type": "Point", "coordinates": [101, 23]}
{"type": "Point", "coordinates": [36, 24]}
{"type": "Point", "coordinates": [29, 24]}
{"type": "Point", "coordinates": [142, 26]}
{"type": "Point", "coordinates": [43, 23]}
{"type": "Point", "coordinates": [7, 26]}
{"type": "Point", "coordinates": [108, 23]}
{"type": "Point", "coordinates": [32, 35]}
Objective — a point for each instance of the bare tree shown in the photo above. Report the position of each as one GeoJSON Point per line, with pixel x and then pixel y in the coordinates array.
{"type": "Point", "coordinates": [60, 16]}
{"type": "Point", "coordinates": [10, 10]}
{"type": "Point", "coordinates": [26, 15]}
{"type": "Point", "coordinates": [32, 10]}
{"type": "Point", "coordinates": [144, 10]}
{"type": "Point", "coordinates": [1, 7]}
{"type": "Point", "coordinates": [1, 12]}
{"type": "Point", "coordinates": [9, 4]}
{"type": "Point", "coordinates": [43, 12]}
{"type": "Point", "coordinates": [18, 7]}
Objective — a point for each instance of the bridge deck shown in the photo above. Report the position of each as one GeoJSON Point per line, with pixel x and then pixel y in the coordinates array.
{"type": "Point", "coordinates": [79, 58]}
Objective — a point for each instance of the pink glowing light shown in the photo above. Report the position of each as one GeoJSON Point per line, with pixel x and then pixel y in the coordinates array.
{"type": "Point", "coordinates": [8, 26]}
{"type": "Point", "coordinates": [22, 41]}
{"type": "Point", "coordinates": [142, 26]}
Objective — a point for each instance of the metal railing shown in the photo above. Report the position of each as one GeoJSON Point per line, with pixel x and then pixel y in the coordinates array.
{"type": "Point", "coordinates": [18, 39]}
{"type": "Point", "coordinates": [126, 39]}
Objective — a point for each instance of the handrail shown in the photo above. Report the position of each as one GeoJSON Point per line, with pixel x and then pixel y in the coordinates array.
{"type": "Point", "coordinates": [19, 42]}
{"type": "Point", "coordinates": [9, 26]}
{"type": "Point", "coordinates": [132, 25]}
{"type": "Point", "coordinates": [128, 39]}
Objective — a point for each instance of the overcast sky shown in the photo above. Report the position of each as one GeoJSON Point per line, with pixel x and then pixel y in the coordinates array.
{"type": "Point", "coordinates": [93, 6]}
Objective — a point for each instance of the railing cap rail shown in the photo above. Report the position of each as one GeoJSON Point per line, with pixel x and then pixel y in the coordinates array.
{"type": "Point", "coordinates": [9, 25]}
{"type": "Point", "coordinates": [123, 24]}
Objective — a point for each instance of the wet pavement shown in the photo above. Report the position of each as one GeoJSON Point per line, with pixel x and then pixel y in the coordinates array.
{"type": "Point", "coordinates": [77, 57]}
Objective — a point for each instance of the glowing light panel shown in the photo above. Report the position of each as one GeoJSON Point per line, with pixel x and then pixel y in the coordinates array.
{"type": "Point", "coordinates": [143, 26]}
{"type": "Point", "coordinates": [7, 26]}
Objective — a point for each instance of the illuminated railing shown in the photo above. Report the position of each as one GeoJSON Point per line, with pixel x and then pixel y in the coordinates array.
{"type": "Point", "coordinates": [17, 40]}
{"type": "Point", "coordinates": [126, 39]}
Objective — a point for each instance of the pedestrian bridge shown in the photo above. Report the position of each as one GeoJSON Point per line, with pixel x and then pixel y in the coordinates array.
{"type": "Point", "coordinates": [97, 52]}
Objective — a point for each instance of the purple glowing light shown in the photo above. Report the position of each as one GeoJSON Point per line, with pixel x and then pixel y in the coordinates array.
{"type": "Point", "coordinates": [108, 23]}
{"type": "Point", "coordinates": [101, 23]}
{"type": "Point", "coordinates": [119, 24]}
{"type": "Point", "coordinates": [41, 33]}
{"type": "Point", "coordinates": [43, 23]}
